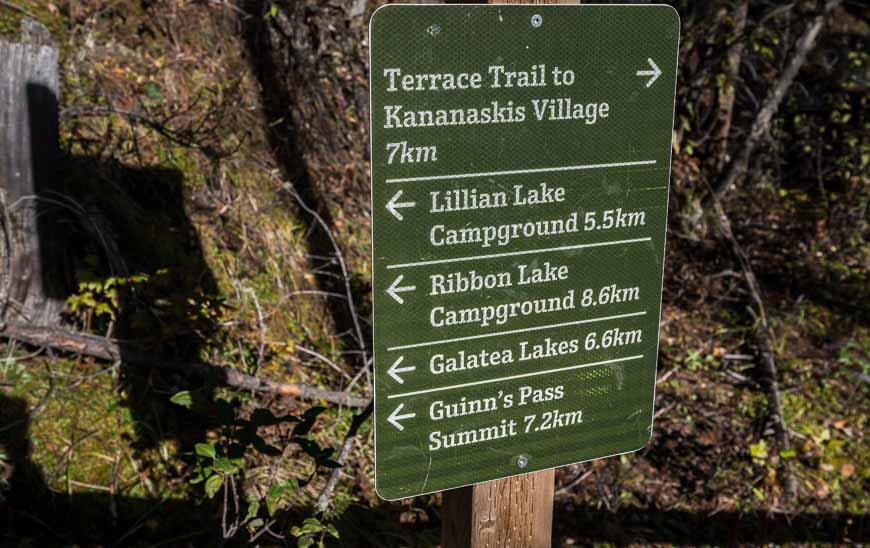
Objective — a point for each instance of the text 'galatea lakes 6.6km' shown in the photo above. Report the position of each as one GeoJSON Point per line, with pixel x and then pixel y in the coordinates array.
{"type": "Point", "coordinates": [520, 173]}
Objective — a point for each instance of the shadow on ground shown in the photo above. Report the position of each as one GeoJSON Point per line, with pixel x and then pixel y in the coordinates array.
{"type": "Point", "coordinates": [115, 221]}
{"type": "Point", "coordinates": [32, 514]}
{"type": "Point", "coordinates": [639, 526]}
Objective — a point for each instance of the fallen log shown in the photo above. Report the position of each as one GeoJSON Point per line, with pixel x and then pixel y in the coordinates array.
{"type": "Point", "coordinates": [764, 350]}
{"type": "Point", "coordinates": [130, 352]}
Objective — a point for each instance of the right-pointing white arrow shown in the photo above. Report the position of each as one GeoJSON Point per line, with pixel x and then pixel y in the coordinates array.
{"type": "Point", "coordinates": [394, 289]}
{"type": "Point", "coordinates": [394, 370]}
{"type": "Point", "coordinates": [395, 417]}
{"type": "Point", "coordinates": [393, 205]}
{"type": "Point", "coordinates": [655, 72]}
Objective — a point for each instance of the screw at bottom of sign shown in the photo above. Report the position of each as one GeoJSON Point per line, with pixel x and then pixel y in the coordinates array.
{"type": "Point", "coordinates": [522, 461]}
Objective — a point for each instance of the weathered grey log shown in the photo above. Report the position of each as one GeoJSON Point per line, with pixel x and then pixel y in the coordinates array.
{"type": "Point", "coordinates": [32, 287]}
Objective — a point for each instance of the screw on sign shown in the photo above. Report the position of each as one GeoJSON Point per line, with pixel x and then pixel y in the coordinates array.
{"type": "Point", "coordinates": [520, 173]}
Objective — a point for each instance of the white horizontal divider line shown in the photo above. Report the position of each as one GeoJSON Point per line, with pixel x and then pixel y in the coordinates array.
{"type": "Point", "coordinates": [512, 377]}
{"type": "Point", "coordinates": [515, 253]}
{"type": "Point", "coordinates": [514, 331]}
{"type": "Point", "coordinates": [518, 171]}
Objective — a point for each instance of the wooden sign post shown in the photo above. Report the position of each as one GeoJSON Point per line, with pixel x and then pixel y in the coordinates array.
{"type": "Point", "coordinates": [520, 169]}
{"type": "Point", "coordinates": [515, 511]}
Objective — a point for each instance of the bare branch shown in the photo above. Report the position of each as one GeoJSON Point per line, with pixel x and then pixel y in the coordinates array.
{"type": "Point", "coordinates": [767, 362]}
{"type": "Point", "coordinates": [326, 495]}
{"type": "Point", "coordinates": [739, 164]}
{"type": "Point", "coordinates": [338, 257]}
{"type": "Point", "coordinates": [128, 352]}
{"type": "Point", "coordinates": [15, 7]}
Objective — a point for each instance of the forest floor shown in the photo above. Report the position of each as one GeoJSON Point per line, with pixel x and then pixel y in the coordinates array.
{"type": "Point", "coordinates": [167, 133]}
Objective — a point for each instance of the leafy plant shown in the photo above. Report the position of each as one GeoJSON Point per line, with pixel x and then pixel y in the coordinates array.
{"type": "Point", "coordinates": [220, 463]}
{"type": "Point", "coordinates": [856, 353]}
{"type": "Point", "coordinates": [101, 299]}
{"type": "Point", "coordinates": [311, 531]}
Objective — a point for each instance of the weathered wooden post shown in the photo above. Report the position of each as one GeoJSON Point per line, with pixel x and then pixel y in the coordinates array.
{"type": "Point", "coordinates": [31, 283]}
{"type": "Point", "coordinates": [515, 511]}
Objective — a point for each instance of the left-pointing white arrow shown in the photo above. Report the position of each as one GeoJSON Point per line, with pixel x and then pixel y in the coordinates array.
{"type": "Point", "coordinates": [655, 72]}
{"type": "Point", "coordinates": [395, 417]}
{"type": "Point", "coordinates": [393, 205]}
{"type": "Point", "coordinates": [394, 370]}
{"type": "Point", "coordinates": [394, 289]}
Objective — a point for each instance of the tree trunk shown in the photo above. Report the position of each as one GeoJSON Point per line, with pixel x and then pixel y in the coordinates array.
{"type": "Point", "coordinates": [31, 274]}
{"type": "Point", "coordinates": [728, 92]}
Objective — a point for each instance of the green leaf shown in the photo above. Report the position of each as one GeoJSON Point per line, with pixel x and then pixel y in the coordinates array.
{"type": "Point", "coordinates": [253, 508]}
{"type": "Point", "coordinates": [306, 542]}
{"type": "Point", "coordinates": [212, 485]}
{"type": "Point", "coordinates": [759, 494]}
{"type": "Point", "coordinates": [311, 526]}
{"type": "Point", "coordinates": [103, 309]}
{"type": "Point", "coordinates": [758, 450]}
{"type": "Point", "coordinates": [153, 91]}
{"type": "Point", "coordinates": [223, 464]}
{"type": "Point", "coordinates": [332, 530]}
{"type": "Point", "coordinates": [273, 497]}
{"type": "Point", "coordinates": [183, 398]}
{"type": "Point", "coordinates": [205, 450]}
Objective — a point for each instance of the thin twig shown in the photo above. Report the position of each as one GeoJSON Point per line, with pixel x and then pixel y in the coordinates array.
{"type": "Point", "coordinates": [574, 483]}
{"type": "Point", "coordinates": [338, 257]}
{"type": "Point", "coordinates": [324, 359]}
{"type": "Point", "coordinates": [263, 529]}
{"type": "Point", "coordinates": [316, 292]}
{"type": "Point", "coordinates": [15, 7]}
{"type": "Point", "coordinates": [326, 495]}
{"type": "Point", "coordinates": [261, 349]}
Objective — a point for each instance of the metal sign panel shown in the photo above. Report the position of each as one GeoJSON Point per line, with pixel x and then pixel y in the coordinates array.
{"type": "Point", "coordinates": [520, 172]}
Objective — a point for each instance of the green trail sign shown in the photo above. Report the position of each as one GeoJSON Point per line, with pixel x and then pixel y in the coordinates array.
{"type": "Point", "coordinates": [520, 172]}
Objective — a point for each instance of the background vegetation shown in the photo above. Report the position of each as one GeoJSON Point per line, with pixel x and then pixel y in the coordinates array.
{"type": "Point", "coordinates": [216, 194]}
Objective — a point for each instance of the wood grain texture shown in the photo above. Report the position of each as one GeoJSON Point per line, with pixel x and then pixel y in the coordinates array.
{"type": "Point", "coordinates": [514, 512]}
{"type": "Point", "coordinates": [31, 281]}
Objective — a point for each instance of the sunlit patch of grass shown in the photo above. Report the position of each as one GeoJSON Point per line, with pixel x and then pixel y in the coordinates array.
{"type": "Point", "coordinates": [46, 13]}
{"type": "Point", "coordinates": [80, 435]}
{"type": "Point", "coordinates": [822, 404]}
